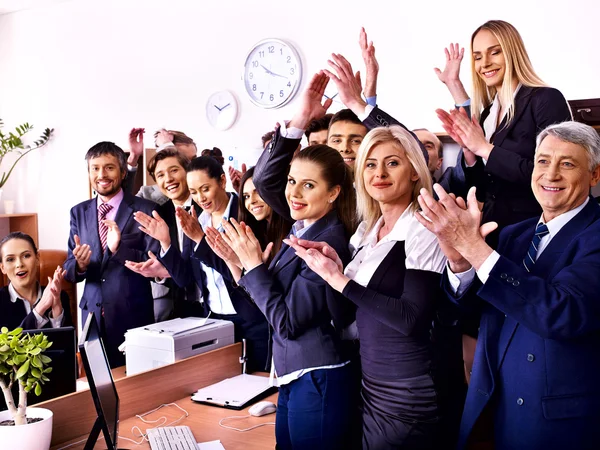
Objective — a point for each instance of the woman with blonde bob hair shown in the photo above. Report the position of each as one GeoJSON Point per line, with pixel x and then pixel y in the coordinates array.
{"type": "Point", "coordinates": [510, 106]}
{"type": "Point", "coordinates": [394, 280]}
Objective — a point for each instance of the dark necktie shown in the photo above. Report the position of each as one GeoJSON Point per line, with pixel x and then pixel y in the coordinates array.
{"type": "Point", "coordinates": [103, 210]}
{"type": "Point", "coordinates": [540, 231]}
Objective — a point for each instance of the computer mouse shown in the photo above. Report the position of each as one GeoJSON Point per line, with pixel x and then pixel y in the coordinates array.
{"type": "Point", "coordinates": [262, 409]}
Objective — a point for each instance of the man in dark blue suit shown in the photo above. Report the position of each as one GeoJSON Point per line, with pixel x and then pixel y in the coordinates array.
{"type": "Point", "coordinates": [103, 236]}
{"type": "Point", "coordinates": [537, 364]}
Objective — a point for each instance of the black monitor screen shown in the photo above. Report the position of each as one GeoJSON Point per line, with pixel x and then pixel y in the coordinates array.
{"type": "Point", "coordinates": [100, 377]}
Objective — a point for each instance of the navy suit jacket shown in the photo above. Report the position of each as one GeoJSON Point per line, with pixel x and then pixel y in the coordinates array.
{"type": "Point", "coordinates": [537, 362]}
{"type": "Point", "coordinates": [13, 315]}
{"type": "Point", "coordinates": [504, 183]}
{"type": "Point", "coordinates": [123, 295]}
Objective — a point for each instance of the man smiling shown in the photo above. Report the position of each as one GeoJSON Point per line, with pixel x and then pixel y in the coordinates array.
{"type": "Point", "coordinates": [536, 366]}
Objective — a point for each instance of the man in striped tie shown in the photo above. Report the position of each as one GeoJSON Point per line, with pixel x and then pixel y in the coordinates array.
{"type": "Point", "coordinates": [537, 363]}
{"type": "Point", "coordinates": [103, 236]}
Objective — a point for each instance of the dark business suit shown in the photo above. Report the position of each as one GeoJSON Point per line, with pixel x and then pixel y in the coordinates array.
{"type": "Point", "coordinates": [121, 299]}
{"type": "Point", "coordinates": [316, 410]}
{"type": "Point", "coordinates": [504, 183]}
{"type": "Point", "coordinates": [249, 323]}
{"type": "Point", "coordinates": [181, 302]}
{"type": "Point", "coordinates": [13, 315]}
{"type": "Point", "coordinates": [536, 364]}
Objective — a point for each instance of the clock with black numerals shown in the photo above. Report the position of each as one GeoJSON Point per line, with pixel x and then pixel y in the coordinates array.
{"type": "Point", "coordinates": [272, 73]}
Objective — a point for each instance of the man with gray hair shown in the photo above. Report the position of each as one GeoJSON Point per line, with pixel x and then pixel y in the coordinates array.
{"type": "Point", "coordinates": [537, 363]}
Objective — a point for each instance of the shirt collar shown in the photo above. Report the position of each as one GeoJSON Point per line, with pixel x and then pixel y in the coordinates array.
{"type": "Point", "coordinates": [205, 219]}
{"type": "Point", "coordinates": [299, 228]}
{"type": "Point", "coordinates": [555, 225]}
{"type": "Point", "coordinates": [115, 202]}
{"type": "Point", "coordinates": [398, 232]}
{"type": "Point", "coordinates": [14, 296]}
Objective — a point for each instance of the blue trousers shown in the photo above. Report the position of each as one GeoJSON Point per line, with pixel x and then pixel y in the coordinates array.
{"type": "Point", "coordinates": [317, 411]}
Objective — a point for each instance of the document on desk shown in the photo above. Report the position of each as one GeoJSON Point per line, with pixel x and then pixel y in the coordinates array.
{"type": "Point", "coordinates": [212, 445]}
{"type": "Point", "coordinates": [234, 392]}
{"type": "Point", "coordinates": [177, 326]}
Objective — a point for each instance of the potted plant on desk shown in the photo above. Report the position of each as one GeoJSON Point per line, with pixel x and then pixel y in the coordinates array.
{"type": "Point", "coordinates": [13, 142]}
{"type": "Point", "coordinates": [22, 362]}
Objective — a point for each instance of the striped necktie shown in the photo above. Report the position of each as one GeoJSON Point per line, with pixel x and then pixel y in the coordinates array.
{"type": "Point", "coordinates": [540, 231]}
{"type": "Point", "coordinates": [103, 210]}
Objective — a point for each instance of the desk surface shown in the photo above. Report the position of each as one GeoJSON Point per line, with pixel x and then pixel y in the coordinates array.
{"type": "Point", "coordinates": [204, 422]}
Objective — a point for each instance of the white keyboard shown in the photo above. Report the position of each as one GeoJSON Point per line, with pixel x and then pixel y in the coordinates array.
{"type": "Point", "coordinates": [172, 438]}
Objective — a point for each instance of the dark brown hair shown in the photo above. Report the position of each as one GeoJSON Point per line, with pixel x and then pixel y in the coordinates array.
{"type": "Point", "coordinates": [215, 153]}
{"type": "Point", "coordinates": [18, 235]}
{"type": "Point", "coordinates": [336, 173]}
{"type": "Point", "coordinates": [169, 152]}
{"type": "Point", "coordinates": [275, 230]}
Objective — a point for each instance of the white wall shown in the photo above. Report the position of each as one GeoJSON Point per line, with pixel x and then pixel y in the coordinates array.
{"type": "Point", "coordinates": [92, 70]}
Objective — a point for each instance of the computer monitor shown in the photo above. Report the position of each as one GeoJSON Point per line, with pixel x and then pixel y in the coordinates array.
{"type": "Point", "coordinates": [101, 384]}
{"type": "Point", "coordinates": [63, 378]}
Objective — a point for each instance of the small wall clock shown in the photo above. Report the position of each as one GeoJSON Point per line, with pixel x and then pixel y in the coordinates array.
{"type": "Point", "coordinates": [272, 73]}
{"type": "Point", "coordinates": [222, 110]}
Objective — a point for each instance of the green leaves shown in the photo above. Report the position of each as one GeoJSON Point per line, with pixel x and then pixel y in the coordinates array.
{"type": "Point", "coordinates": [23, 370]}
{"type": "Point", "coordinates": [13, 142]}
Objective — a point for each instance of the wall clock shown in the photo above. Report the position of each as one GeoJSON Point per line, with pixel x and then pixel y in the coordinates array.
{"type": "Point", "coordinates": [222, 110]}
{"type": "Point", "coordinates": [272, 73]}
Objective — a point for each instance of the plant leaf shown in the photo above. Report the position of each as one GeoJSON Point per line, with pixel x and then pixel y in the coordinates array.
{"type": "Point", "coordinates": [23, 369]}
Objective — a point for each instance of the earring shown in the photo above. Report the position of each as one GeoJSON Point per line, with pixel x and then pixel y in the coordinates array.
{"type": "Point", "coordinates": [330, 201]}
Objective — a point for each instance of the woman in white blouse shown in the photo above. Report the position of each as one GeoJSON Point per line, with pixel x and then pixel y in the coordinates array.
{"type": "Point", "coordinates": [394, 279]}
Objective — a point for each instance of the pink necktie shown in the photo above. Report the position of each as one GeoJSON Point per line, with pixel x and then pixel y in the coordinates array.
{"type": "Point", "coordinates": [103, 210]}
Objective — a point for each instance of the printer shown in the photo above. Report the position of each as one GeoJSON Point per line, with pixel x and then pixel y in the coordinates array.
{"type": "Point", "coordinates": [166, 342]}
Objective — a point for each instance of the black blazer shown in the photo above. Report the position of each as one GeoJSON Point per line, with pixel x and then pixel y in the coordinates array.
{"type": "Point", "coordinates": [13, 315]}
{"type": "Point", "coordinates": [504, 183]}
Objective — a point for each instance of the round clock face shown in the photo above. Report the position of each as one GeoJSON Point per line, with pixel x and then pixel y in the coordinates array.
{"type": "Point", "coordinates": [221, 110]}
{"type": "Point", "coordinates": [272, 73]}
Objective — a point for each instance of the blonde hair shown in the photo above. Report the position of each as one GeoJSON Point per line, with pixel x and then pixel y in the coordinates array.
{"type": "Point", "coordinates": [517, 63]}
{"type": "Point", "coordinates": [368, 208]}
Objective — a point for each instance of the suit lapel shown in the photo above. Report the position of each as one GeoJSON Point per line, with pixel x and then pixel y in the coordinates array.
{"type": "Point", "coordinates": [91, 225]}
{"type": "Point", "coordinates": [521, 100]}
{"type": "Point", "coordinates": [124, 214]}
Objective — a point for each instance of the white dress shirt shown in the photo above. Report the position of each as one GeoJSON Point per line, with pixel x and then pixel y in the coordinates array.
{"type": "Point", "coordinates": [459, 282]}
{"type": "Point", "coordinates": [41, 320]}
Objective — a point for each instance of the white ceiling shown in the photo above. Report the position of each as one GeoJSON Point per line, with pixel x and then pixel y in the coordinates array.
{"type": "Point", "coordinates": [10, 6]}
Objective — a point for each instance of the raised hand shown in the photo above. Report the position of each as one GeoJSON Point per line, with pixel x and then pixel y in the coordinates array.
{"type": "Point", "coordinates": [82, 254]}
{"type": "Point", "coordinates": [162, 137]}
{"type": "Point", "coordinates": [348, 84]}
{"type": "Point", "coordinates": [152, 268]}
{"type": "Point", "coordinates": [236, 176]}
{"type": "Point", "coordinates": [450, 76]}
{"type": "Point", "coordinates": [154, 227]}
{"type": "Point", "coordinates": [311, 107]}
{"type": "Point", "coordinates": [371, 64]}
{"type": "Point", "coordinates": [470, 133]}
{"type": "Point", "coordinates": [457, 226]}
{"type": "Point", "coordinates": [189, 224]}
{"type": "Point", "coordinates": [136, 145]}
{"type": "Point", "coordinates": [243, 242]}
{"type": "Point", "coordinates": [113, 237]}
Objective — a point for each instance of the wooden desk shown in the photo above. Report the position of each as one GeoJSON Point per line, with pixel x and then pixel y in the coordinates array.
{"type": "Point", "coordinates": [74, 414]}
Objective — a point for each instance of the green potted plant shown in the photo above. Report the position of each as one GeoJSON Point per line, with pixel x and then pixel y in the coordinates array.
{"type": "Point", "coordinates": [22, 362]}
{"type": "Point", "coordinates": [13, 142]}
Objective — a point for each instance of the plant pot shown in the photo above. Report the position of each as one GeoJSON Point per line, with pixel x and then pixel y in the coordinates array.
{"type": "Point", "coordinates": [33, 436]}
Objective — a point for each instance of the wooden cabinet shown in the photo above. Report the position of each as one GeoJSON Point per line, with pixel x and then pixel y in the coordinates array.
{"type": "Point", "coordinates": [25, 222]}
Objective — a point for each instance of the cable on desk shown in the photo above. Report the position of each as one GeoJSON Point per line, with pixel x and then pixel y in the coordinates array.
{"type": "Point", "coordinates": [163, 420]}
{"type": "Point", "coordinates": [242, 417]}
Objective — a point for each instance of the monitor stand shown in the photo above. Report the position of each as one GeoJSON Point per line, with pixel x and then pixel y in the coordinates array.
{"type": "Point", "coordinates": [100, 425]}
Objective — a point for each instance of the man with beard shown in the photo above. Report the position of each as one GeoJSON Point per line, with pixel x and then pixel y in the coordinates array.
{"type": "Point", "coordinates": [103, 236]}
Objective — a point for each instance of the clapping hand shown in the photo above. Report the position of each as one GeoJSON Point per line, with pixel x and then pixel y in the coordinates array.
{"type": "Point", "coordinates": [471, 134]}
{"type": "Point", "coordinates": [321, 259]}
{"type": "Point", "coordinates": [348, 84]}
{"type": "Point", "coordinates": [371, 64]}
{"type": "Point", "coordinates": [136, 145]}
{"type": "Point", "coordinates": [154, 227]}
{"type": "Point", "coordinates": [448, 123]}
{"type": "Point", "coordinates": [243, 242]}
{"type": "Point", "coordinates": [236, 177]}
{"type": "Point", "coordinates": [189, 224]}
{"type": "Point", "coordinates": [152, 268]}
{"type": "Point", "coordinates": [217, 243]}
{"type": "Point", "coordinates": [113, 237]}
{"type": "Point", "coordinates": [51, 296]}
{"type": "Point", "coordinates": [82, 254]}
{"type": "Point", "coordinates": [311, 107]}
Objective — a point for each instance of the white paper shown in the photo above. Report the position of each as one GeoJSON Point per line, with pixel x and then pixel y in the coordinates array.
{"type": "Point", "coordinates": [212, 445]}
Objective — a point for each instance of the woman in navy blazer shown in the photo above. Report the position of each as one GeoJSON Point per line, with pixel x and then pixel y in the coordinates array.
{"type": "Point", "coordinates": [510, 106]}
{"type": "Point", "coordinates": [23, 303]}
{"type": "Point", "coordinates": [316, 404]}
